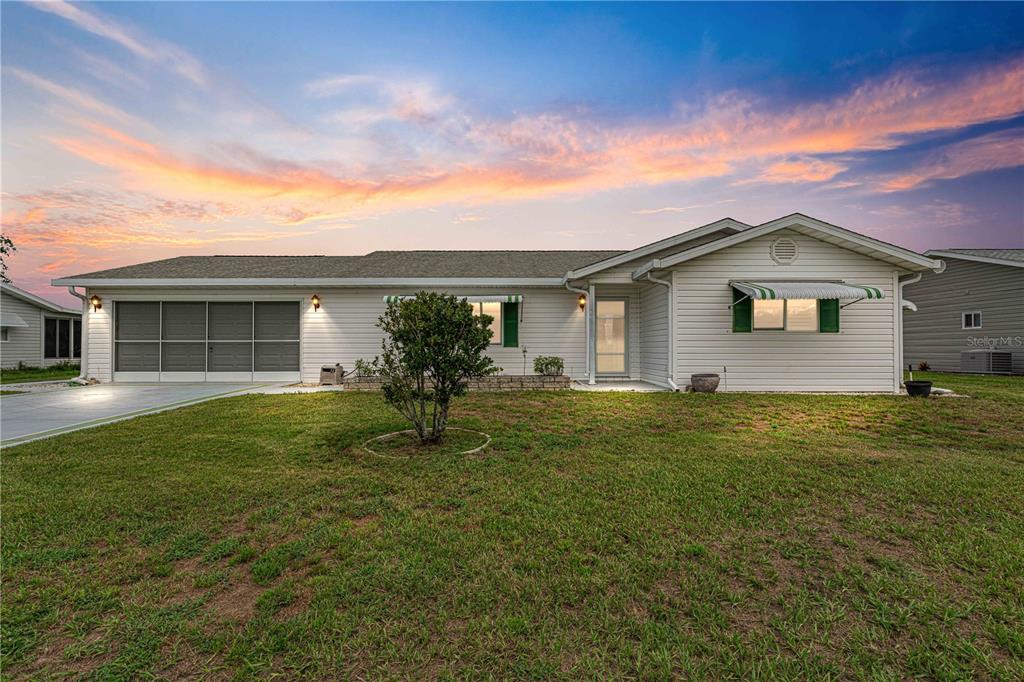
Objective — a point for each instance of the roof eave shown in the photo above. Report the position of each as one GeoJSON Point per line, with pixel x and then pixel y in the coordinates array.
{"type": "Point", "coordinates": [309, 282]}
{"type": "Point", "coordinates": [724, 224]}
{"type": "Point", "coordinates": [972, 257]}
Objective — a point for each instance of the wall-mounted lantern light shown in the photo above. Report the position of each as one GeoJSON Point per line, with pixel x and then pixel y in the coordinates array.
{"type": "Point", "coordinates": [96, 302]}
{"type": "Point", "coordinates": [315, 301]}
{"type": "Point", "coordinates": [583, 301]}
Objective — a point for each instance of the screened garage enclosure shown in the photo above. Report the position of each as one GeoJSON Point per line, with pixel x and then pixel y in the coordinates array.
{"type": "Point", "coordinates": [206, 341]}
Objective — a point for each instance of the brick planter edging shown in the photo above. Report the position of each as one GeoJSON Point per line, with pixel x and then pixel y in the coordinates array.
{"type": "Point", "coordinates": [529, 382]}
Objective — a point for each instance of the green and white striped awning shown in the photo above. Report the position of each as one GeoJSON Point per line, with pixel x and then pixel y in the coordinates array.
{"type": "Point", "coordinates": [783, 290]}
{"type": "Point", "coordinates": [500, 298]}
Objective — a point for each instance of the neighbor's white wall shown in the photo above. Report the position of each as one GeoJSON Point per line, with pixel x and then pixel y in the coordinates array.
{"type": "Point", "coordinates": [862, 357]}
{"type": "Point", "coordinates": [24, 344]}
{"type": "Point", "coordinates": [344, 329]}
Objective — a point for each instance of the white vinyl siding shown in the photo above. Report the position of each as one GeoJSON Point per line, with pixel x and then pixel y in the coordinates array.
{"type": "Point", "coordinates": [860, 358]}
{"type": "Point", "coordinates": [654, 333]}
{"type": "Point", "coordinates": [345, 328]}
{"type": "Point", "coordinates": [23, 344]}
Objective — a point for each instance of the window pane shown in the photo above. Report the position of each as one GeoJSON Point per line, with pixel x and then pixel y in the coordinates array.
{"type": "Point", "coordinates": [273, 356]}
{"type": "Point", "coordinates": [802, 315]}
{"type": "Point", "coordinates": [64, 338]}
{"type": "Point", "coordinates": [611, 364]}
{"type": "Point", "coordinates": [230, 357]}
{"type": "Point", "coordinates": [137, 321]}
{"type": "Point", "coordinates": [768, 314]}
{"type": "Point", "coordinates": [494, 310]}
{"type": "Point", "coordinates": [611, 309]}
{"type": "Point", "coordinates": [77, 325]}
{"type": "Point", "coordinates": [277, 320]}
{"type": "Point", "coordinates": [50, 338]}
{"type": "Point", "coordinates": [231, 321]}
{"type": "Point", "coordinates": [183, 357]}
{"type": "Point", "coordinates": [611, 335]}
{"type": "Point", "coordinates": [184, 321]}
{"type": "Point", "coordinates": [137, 357]}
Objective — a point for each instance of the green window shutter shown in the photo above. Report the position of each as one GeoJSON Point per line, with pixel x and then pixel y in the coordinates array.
{"type": "Point", "coordinates": [742, 312]}
{"type": "Point", "coordinates": [828, 315]}
{"type": "Point", "coordinates": [510, 325]}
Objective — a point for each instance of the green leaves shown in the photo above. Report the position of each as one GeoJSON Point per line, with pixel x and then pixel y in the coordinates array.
{"type": "Point", "coordinates": [434, 344]}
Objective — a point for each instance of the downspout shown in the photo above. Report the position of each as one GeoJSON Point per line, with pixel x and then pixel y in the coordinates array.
{"type": "Point", "coordinates": [586, 318]}
{"type": "Point", "coordinates": [84, 359]}
{"type": "Point", "coordinates": [671, 329]}
{"type": "Point", "coordinates": [899, 304]}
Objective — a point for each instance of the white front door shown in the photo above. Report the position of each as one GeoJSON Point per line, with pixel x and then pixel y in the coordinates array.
{"type": "Point", "coordinates": [611, 337]}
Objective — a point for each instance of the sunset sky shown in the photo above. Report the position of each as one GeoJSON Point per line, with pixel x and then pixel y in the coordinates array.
{"type": "Point", "coordinates": [137, 131]}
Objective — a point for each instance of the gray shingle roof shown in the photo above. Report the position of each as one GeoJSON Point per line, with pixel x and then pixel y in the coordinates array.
{"type": "Point", "coordinates": [1015, 255]}
{"type": "Point", "coordinates": [378, 264]}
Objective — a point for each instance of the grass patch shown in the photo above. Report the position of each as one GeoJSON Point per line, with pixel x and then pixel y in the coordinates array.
{"type": "Point", "coordinates": [406, 444]}
{"type": "Point", "coordinates": [609, 536]}
{"type": "Point", "coordinates": [12, 392]}
{"type": "Point", "coordinates": [30, 374]}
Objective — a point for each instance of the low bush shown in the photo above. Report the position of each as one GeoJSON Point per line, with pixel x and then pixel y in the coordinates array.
{"type": "Point", "coordinates": [550, 365]}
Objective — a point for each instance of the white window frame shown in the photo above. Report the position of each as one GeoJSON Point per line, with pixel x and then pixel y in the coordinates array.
{"type": "Point", "coordinates": [497, 335]}
{"type": "Point", "coordinates": [972, 313]}
{"type": "Point", "coordinates": [785, 318]}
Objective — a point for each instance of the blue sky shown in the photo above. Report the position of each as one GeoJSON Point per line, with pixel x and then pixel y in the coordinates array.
{"type": "Point", "coordinates": [134, 131]}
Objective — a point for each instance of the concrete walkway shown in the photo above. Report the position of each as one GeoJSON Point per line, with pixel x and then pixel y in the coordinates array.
{"type": "Point", "coordinates": [618, 385]}
{"type": "Point", "coordinates": [31, 416]}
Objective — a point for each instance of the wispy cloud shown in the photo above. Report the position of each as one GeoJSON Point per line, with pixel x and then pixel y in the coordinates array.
{"type": "Point", "coordinates": [78, 99]}
{"type": "Point", "coordinates": [463, 218]}
{"type": "Point", "coordinates": [373, 99]}
{"type": "Point", "coordinates": [147, 47]}
{"type": "Point", "coordinates": [994, 151]}
{"type": "Point", "coordinates": [799, 171]}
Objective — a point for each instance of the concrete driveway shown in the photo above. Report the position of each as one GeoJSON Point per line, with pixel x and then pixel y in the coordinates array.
{"type": "Point", "coordinates": [30, 416]}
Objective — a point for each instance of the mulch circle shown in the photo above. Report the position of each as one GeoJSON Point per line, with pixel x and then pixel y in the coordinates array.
{"type": "Point", "coordinates": [394, 434]}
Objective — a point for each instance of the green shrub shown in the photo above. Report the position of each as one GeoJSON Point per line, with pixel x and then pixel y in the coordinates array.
{"type": "Point", "coordinates": [433, 346]}
{"type": "Point", "coordinates": [551, 365]}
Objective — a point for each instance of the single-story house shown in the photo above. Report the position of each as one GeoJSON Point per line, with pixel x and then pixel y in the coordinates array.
{"type": "Point", "coordinates": [970, 318]}
{"type": "Point", "coordinates": [35, 332]}
{"type": "Point", "coordinates": [795, 304]}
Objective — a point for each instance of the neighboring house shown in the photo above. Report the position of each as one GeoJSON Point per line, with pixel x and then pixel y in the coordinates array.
{"type": "Point", "coordinates": [977, 303]}
{"type": "Point", "coordinates": [795, 304]}
{"type": "Point", "coordinates": [35, 332]}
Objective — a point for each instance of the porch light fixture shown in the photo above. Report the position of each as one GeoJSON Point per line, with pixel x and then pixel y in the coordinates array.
{"type": "Point", "coordinates": [315, 301]}
{"type": "Point", "coordinates": [96, 302]}
{"type": "Point", "coordinates": [583, 302]}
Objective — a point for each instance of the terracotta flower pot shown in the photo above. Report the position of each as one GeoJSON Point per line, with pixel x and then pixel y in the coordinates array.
{"type": "Point", "coordinates": [704, 383]}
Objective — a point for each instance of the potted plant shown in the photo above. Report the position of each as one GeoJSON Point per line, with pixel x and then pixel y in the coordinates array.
{"type": "Point", "coordinates": [918, 389]}
{"type": "Point", "coordinates": [549, 365]}
{"type": "Point", "coordinates": [704, 383]}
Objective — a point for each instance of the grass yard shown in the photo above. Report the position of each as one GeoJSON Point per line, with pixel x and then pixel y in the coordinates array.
{"type": "Point", "coordinates": [601, 535]}
{"type": "Point", "coordinates": [27, 374]}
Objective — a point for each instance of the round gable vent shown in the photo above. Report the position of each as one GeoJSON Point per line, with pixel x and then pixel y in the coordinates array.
{"type": "Point", "coordinates": [783, 251]}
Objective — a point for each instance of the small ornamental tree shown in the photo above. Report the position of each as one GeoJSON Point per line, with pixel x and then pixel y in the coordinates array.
{"type": "Point", "coordinates": [433, 346]}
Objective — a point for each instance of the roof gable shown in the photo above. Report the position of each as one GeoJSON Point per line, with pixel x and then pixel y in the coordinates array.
{"type": "Point", "coordinates": [812, 227]}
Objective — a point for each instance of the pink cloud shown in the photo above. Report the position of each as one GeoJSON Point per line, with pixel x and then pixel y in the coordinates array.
{"type": "Point", "coordinates": [1003, 149]}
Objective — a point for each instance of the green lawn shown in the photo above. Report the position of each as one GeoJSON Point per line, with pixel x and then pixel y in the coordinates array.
{"type": "Point", "coordinates": [600, 536]}
{"type": "Point", "coordinates": [17, 376]}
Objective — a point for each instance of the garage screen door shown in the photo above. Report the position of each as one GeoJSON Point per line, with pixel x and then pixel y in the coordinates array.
{"type": "Point", "coordinates": [213, 337]}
